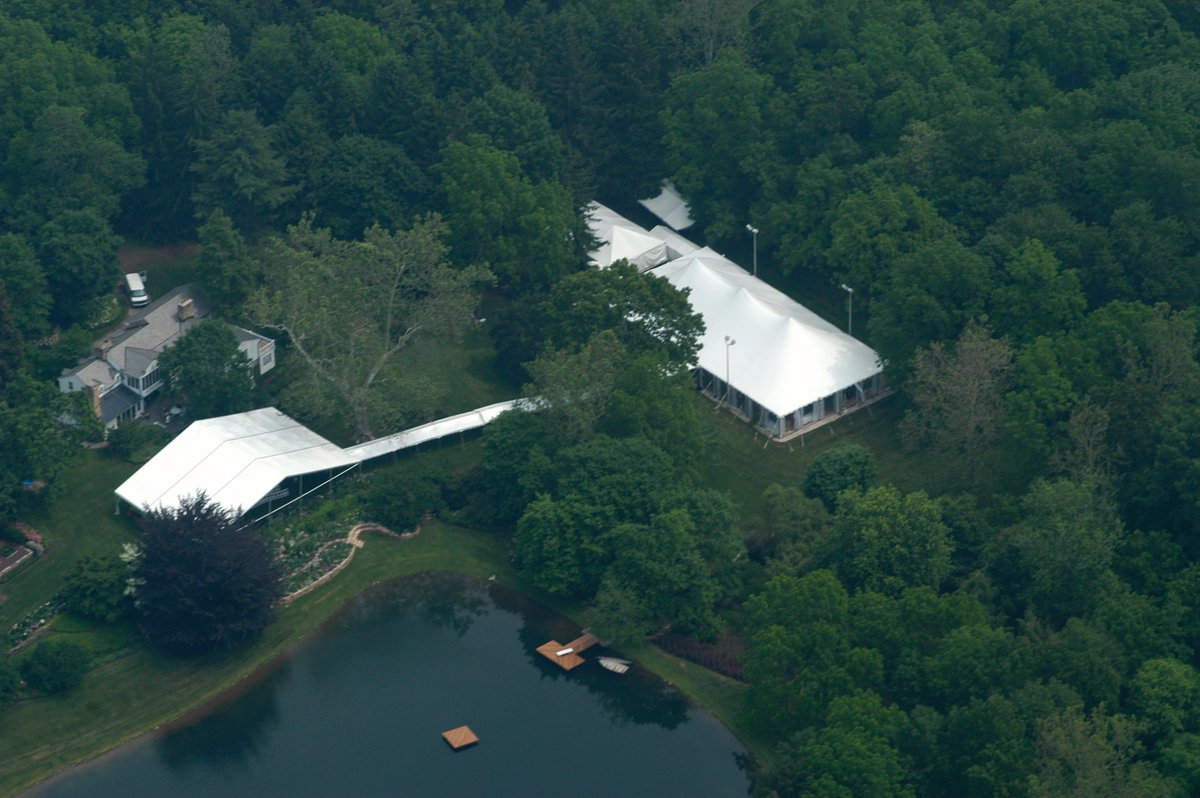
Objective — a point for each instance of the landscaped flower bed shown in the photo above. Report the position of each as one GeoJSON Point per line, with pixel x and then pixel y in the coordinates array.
{"type": "Point", "coordinates": [33, 621]}
{"type": "Point", "coordinates": [330, 555]}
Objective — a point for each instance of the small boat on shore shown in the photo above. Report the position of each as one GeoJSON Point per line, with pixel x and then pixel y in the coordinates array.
{"type": "Point", "coordinates": [615, 665]}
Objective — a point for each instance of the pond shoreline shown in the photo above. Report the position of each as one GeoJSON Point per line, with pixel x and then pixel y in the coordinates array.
{"type": "Point", "coordinates": [399, 588]}
{"type": "Point", "coordinates": [441, 548]}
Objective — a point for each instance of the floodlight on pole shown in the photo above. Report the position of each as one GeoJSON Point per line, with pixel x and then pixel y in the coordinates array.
{"type": "Point", "coordinates": [728, 343]}
{"type": "Point", "coordinates": [850, 323]}
{"type": "Point", "coordinates": [753, 231]}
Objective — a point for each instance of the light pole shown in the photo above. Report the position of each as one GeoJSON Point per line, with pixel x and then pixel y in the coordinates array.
{"type": "Point", "coordinates": [850, 323]}
{"type": "Point", "coordinates": [754, 234]}
{"type": "Point", "coordinates": [728, 343]}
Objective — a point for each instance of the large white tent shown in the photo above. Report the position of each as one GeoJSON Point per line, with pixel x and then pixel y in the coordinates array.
{"type": "Point", "coordinates": [782, 361]}
{"type": "Point", "coordinates": [234, 460]}
{"type": "Point", "coordinates": [621, 239]}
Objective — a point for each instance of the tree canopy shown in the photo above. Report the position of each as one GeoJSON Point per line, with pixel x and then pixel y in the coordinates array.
{"type": "Point", "coordinates": [203, 583]}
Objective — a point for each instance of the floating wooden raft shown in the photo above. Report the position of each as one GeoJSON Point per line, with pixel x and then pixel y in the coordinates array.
{"type": "Point", "coordinates": [566, 656]}
{"type": "Point", "coordinates": [462, 737]}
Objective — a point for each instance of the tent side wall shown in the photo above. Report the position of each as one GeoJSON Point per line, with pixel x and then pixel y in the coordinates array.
{"type": "Point", "coordinates": [838, 403]}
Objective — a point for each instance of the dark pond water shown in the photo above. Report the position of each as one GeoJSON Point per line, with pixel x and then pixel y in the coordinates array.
{"type": "Point", "coordinates": [358, 710]}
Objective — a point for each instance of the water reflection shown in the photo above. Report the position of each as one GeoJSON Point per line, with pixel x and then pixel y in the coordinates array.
{"type": "Point", "coordinates": [255, 714]}
{"type": "Point", "coordinates": [447, 601]}
{"type": "Point", "coordinates": [635, 698]}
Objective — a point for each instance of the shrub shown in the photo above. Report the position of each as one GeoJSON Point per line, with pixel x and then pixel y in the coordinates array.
{"type": "Point", "coordinates": [401, 501]}
{"type": "Point", "coordinates": [55, 667]}
{"type": "Point", "coordinates": [95, 588]}
{"type": "Point", "coordinates": [847, 467]}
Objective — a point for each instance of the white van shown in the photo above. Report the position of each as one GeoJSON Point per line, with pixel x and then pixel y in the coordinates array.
{"type": "Point", "coordinates": [135, 287]}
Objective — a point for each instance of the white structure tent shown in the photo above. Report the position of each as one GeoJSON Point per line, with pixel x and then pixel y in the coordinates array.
{"type": "Point", "coordinates": [670, 207]}
{"type": "Point", "coordinates": [622, 240]}
{"type": "Point", "coordinates": [249, 459]}
{"type": "Point", "coordinates": [785, 367]}
{"type": "Point", "coordinates": [237, 461]}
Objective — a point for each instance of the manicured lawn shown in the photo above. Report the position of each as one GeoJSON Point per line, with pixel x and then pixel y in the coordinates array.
{"type": "Point", "coordinates": [79, 521]}
{"type": "Point", "coordinates": [742, 462]}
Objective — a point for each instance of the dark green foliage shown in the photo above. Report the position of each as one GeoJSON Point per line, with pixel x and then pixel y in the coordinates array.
{"type": "Point", "coordinates": [887, 541]}
{"type": "Point", "coordinates": [23, 277]}
{"type": "Point", "coordinates": [12, 356]}
{"type": "Point", "coordinates": [78, 251]}
{"type": "Point", "coordinates": [96, 588]}
{"type": "Point", "coordinates": [226, 270]}
{"type": "Point", "coordinates": [499, 216]}
{"type": "Point", "coordinates": [55, 667]}
{"type": "Point", "coordinates": [136, 441]}
{"type": "Point", "coordinates": [400, 502]}
{"type": "Point", "coordinates": [204, 585]}
{"type": "Point", "coordinates": [365, 181]}
{"type": "Point", "coordinates": [848, 467]}
{"type": "Point", "coordinates": [854, 753]}
{"type": "Point", "coordinates": [207, 372]}
{"type": "Point", "coordinates": [39, 444]}
{"type": "Point", "coordinates": [10, 680]}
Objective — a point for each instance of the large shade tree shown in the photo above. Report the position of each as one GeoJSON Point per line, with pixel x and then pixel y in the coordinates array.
{"type": "Point", "coordinates": [350, 308]}
{"type": "Point", "coordinates": [203, 583]}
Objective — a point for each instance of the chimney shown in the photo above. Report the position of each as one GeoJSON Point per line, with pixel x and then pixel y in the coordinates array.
{"type": "Point", "coordinates": [94, 391]}
{"type": "Point", "coordinates": [102, 349]}
{"type": "Point", "coordinates": [186, 310]}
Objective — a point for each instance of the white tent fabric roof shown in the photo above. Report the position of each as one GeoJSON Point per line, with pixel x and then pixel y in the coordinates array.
{"type": "Point", "coordinates": [470, 420]}
{"type": "Point", "coordinates": [670, 207]}
{"type": "Point", "coordinates": [622, 239]}
{"type": "Point", "coordinates": [785, 356]}
{"type": "Point", "coordinates": [235, 460]}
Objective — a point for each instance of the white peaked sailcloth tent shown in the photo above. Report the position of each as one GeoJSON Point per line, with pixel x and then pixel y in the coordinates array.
{"type": "Point", "coordinates": [622, 239]}
{"type": "Point", "coordinates": [235, 460]}
{"type": "Point", "coordinates": [670, 207]}
{"type": "Point", "coordinates": [786, 366]}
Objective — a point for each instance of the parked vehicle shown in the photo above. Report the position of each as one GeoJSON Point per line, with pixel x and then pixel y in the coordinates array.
{"type": "Point", "coordinates": [135, 288]}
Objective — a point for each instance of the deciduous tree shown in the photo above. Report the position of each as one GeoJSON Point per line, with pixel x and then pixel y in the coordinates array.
{"type": "Point", "coordinates": [958, 400]}
{"type": "Point", "coordinates": [351, 308]}
{"type": "Point", "coordinates": [203, 584]}
{"type": "Point", "coordinates": [888, 541]}
{"type": "Point", "coordinates": [846, 467]}
{"type": "Point", "coordinates": [206, 371]}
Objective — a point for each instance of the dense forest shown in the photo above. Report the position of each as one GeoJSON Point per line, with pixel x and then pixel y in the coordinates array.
{"type": "Point", "coordinates": [1009, 185]}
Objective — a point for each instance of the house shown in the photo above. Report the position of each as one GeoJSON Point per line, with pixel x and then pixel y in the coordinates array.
{"type": "Point", "coordinates": [122, 372]}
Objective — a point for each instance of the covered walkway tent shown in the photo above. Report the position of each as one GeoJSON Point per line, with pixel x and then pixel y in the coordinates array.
{"type": "Point", "coordinates": [249, 459]}
{"type": "Point", "coordinates": [766, 355]}
{"type": "Point", "coordinates": [237, 461]}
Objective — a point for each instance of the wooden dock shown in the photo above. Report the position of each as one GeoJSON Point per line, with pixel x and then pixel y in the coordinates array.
{"type": "Point", "coordinates": [566, 655]}
{"type": "Point", "coordinates": [459, 738]}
